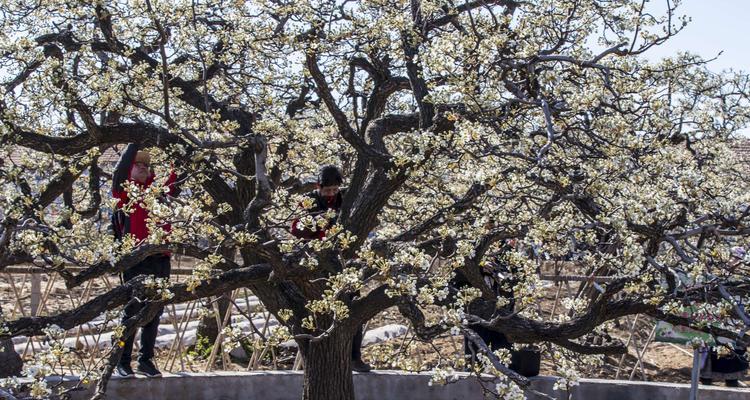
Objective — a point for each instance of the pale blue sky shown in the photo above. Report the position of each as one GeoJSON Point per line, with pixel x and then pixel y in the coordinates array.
{"type": "Point", "coordinates": [716, 25]}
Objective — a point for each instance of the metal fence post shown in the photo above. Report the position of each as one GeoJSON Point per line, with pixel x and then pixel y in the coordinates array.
{"type": "Point", "coordinates": [694, 376]}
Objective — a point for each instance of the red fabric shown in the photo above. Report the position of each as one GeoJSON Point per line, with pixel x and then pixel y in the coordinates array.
{"type": "Point", "coordinates": [138, 227]}
{"type": "Point", "coordinates": [303, 233]}
{"type": "Point", "coordinates": [319, 233]}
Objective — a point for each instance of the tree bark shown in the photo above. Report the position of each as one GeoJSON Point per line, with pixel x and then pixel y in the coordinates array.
{"type": "Point", "coordinates": [10, 362]}
{"type": "Point", "coordinates": [328, 368]}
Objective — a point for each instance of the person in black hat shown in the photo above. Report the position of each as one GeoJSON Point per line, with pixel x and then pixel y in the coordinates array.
{"type": "Point", "coordinates": [328, 195]}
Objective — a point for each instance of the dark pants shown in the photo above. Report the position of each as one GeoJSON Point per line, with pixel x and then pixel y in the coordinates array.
{"type": "Point", "coordinates": [158, 266]}
{"type": "Point", "coordinates": [357, 344]}
{"type": "Point", "coordinates": [525, 362]}
{"type": "Point", "coordinates": [729, 368]}
{"type": "Point", "coordinates": [494, 340]}
{"type": "Point", "coordinates": [357, 340]}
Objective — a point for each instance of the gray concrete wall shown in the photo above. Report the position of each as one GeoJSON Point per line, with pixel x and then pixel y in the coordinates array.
{"type": "Point", "coordinates": [382, 385]}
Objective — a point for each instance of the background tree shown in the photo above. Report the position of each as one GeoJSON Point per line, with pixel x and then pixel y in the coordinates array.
{"type": "Point", "coordinates": [459, 125]}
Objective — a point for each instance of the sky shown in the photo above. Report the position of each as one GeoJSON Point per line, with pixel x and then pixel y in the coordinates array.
{"type": "Point", "coordinates": [717, 25]}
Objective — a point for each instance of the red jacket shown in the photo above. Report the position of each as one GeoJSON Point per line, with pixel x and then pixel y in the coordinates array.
{"type": "Point", "coordinates": [137, 219]}
{"type": "Point", "coordinates": [321, 205]}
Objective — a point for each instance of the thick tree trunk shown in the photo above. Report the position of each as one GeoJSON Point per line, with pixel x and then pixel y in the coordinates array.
{"type": "Point", "coordinates": [328, 369]}
{"type": "Point", "coordinates": [10, 361]}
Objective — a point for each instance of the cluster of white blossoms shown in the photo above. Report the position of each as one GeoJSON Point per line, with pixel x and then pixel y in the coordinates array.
{"type": "Point", "coordinates": [206, 311]}
{"type": "Point", "coordinates": [339, 286]}
{"type": "Point", "coordinates": [161, 287]}
{"type": "Point", "coordinates": [278, 336]}
{"type": "Point", "coordinates": [54, 360]}
{"type": "Point", "coordinates": [401, 285]}
{"type": "Point", "coordinates": [350, 279]}
{"type": "Point", "coordinates": [231, 336]}
{"type": "Point", "coordinates": [40, 389]}
{"type": "Point", "coordinates": [310, 262]}
{"type": "Point", "coordinates": [442, 376]}
{"type": "Point", "coordinates": [54, 332]}
{"type": "Point", "coordinates": [567, 372]}
{"type": "Point", "coordinates": [454, 314]}
{"type": "Point", "coordinates": [509, 390]}
{"type": "Point", "coordinates": [284, 314]}
{"type": "Point", "coordinates": [202, 271]}
{"type": "Point", "coordinates": [437, 291]}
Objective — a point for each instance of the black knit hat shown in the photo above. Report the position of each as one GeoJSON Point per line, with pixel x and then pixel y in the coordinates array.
{"type": "Point", "coordinates": [330, 175]}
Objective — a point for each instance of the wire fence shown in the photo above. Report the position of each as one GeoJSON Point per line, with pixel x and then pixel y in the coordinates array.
{"type": "Point", "coordinates": [37, 292]}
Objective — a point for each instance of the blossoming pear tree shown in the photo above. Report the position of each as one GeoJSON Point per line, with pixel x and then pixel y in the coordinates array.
{"type": "Point", "coordinates": [459, 124]}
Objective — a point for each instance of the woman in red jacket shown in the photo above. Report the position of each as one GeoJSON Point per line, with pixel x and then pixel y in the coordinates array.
{"type": "Point", "coordinates": [135, 167]}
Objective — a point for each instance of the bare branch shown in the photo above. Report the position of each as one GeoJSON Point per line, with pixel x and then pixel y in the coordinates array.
{"type": "Point", "coordinates": [345, 129]}
{"type": "Point", "coordinates": [519, 379]}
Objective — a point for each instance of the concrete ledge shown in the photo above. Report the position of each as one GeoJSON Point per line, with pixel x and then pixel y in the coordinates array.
{"type": "Point", "coordinates": [383, 385]}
